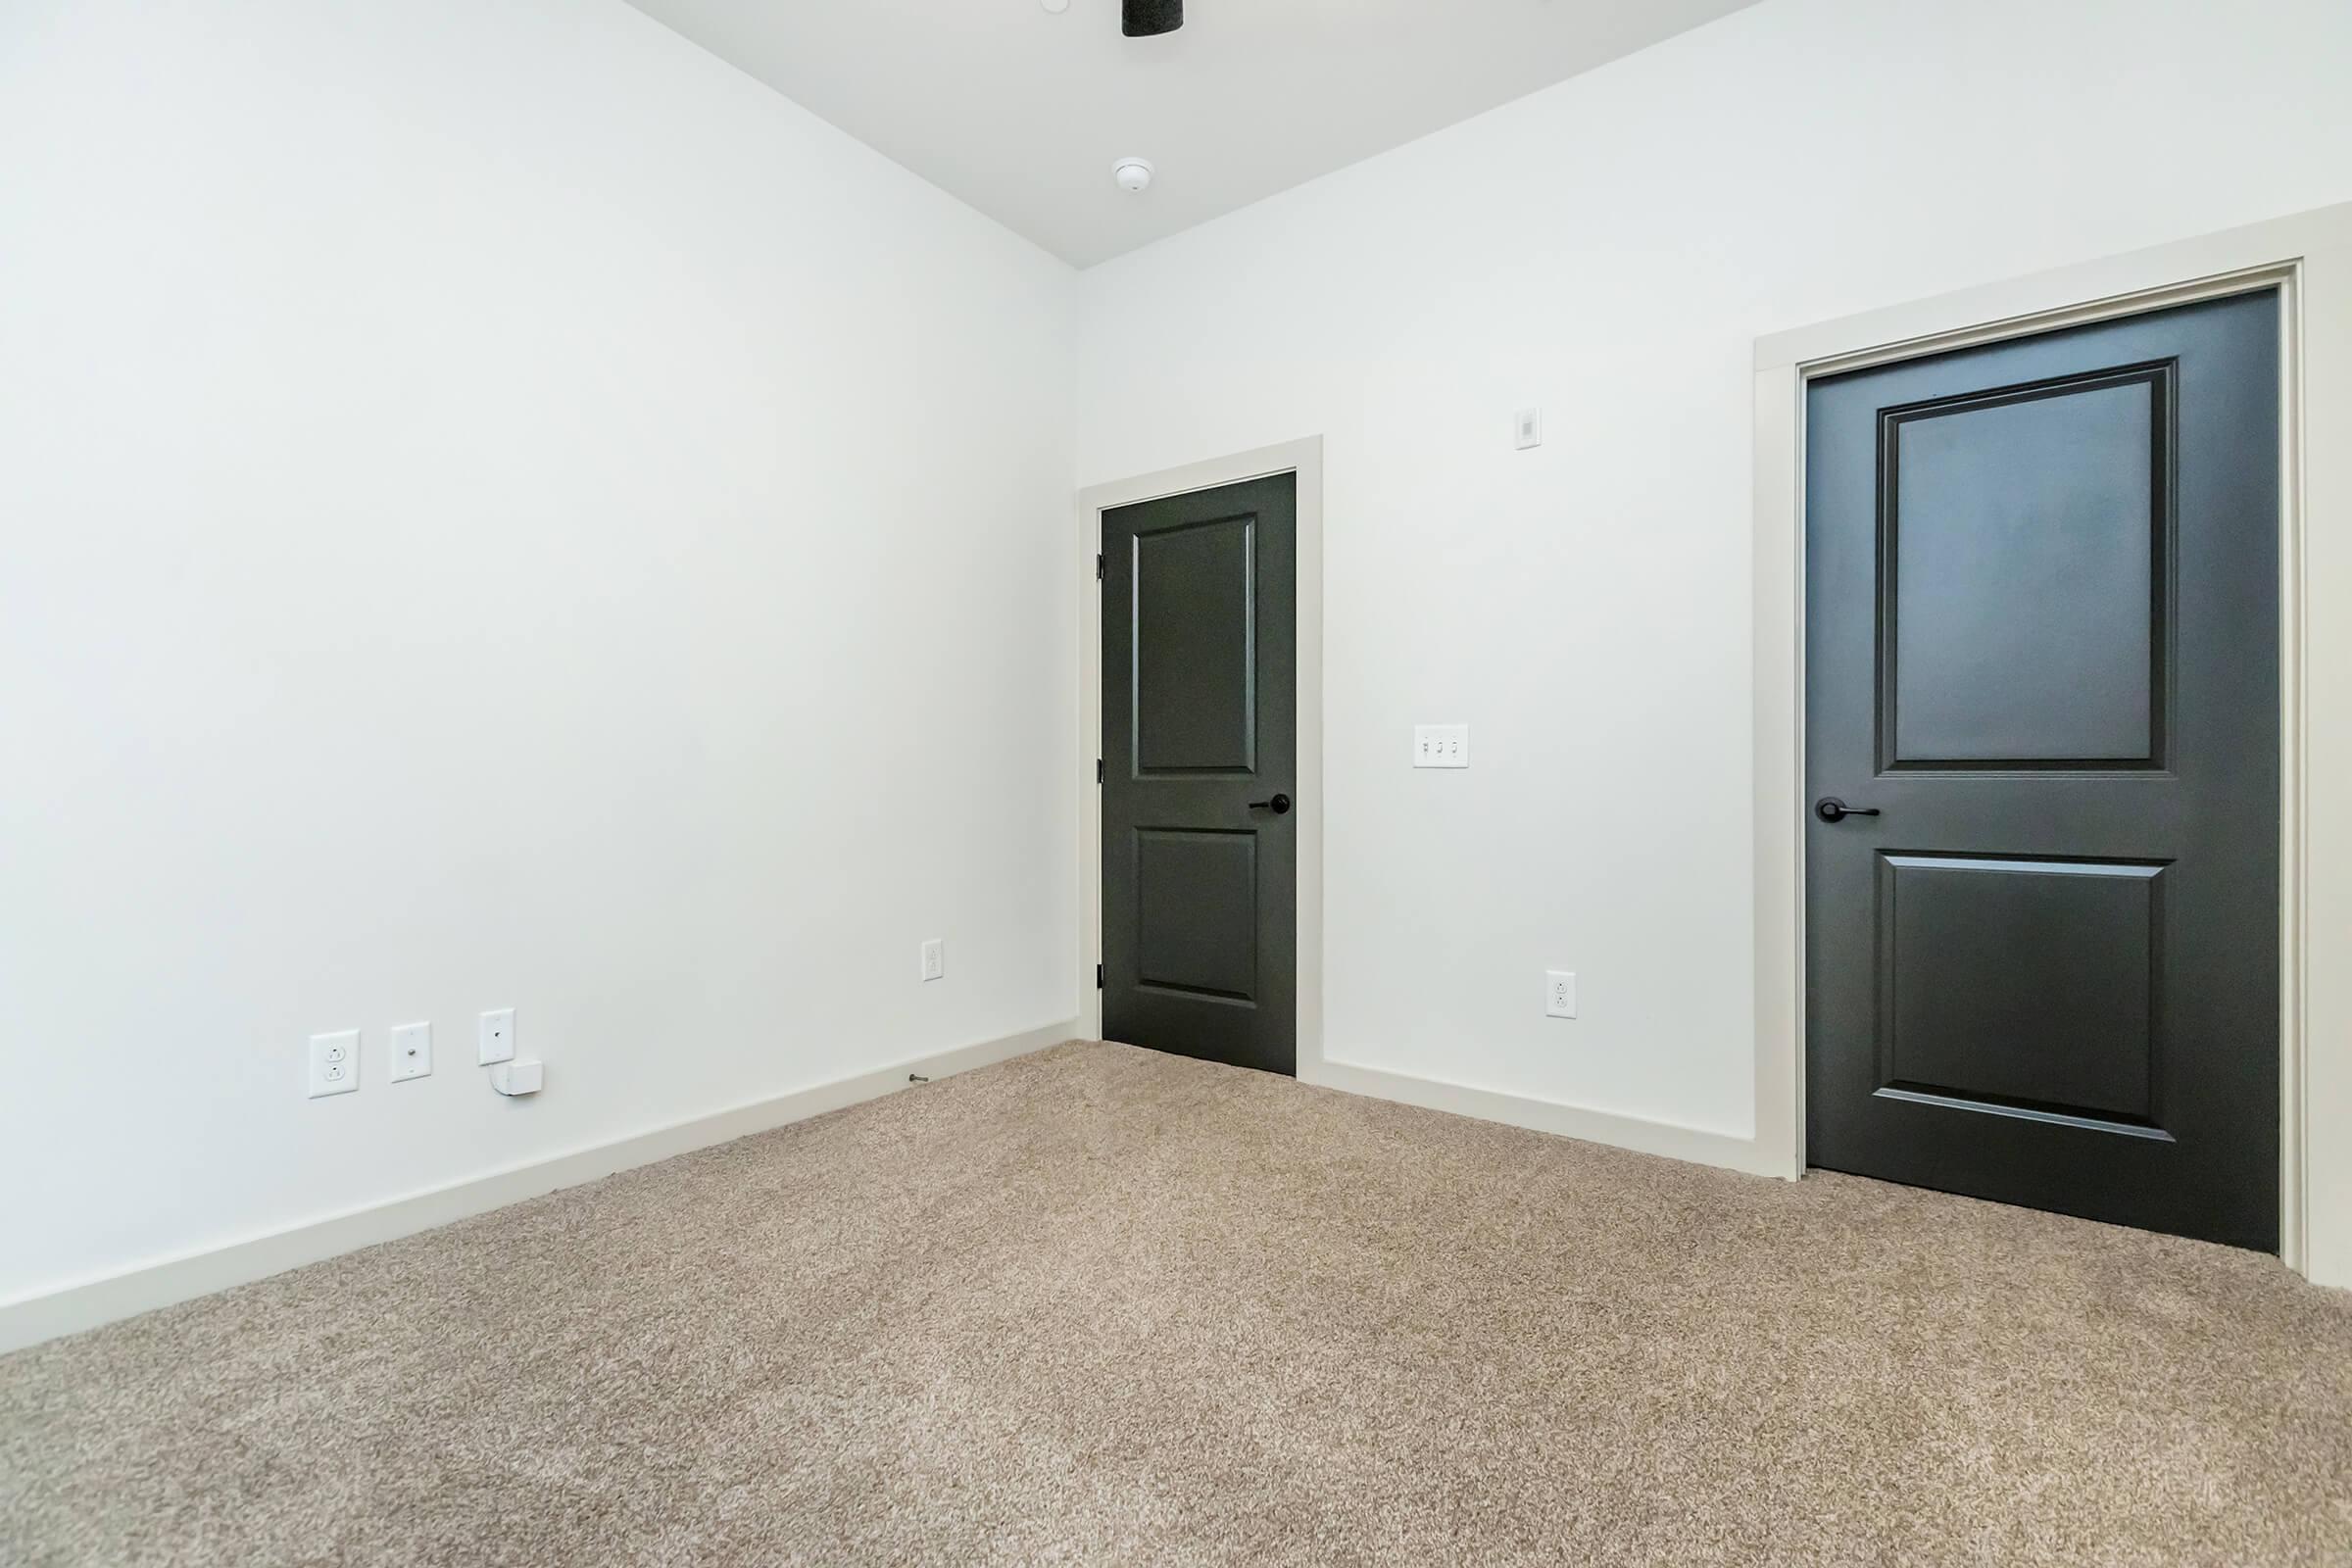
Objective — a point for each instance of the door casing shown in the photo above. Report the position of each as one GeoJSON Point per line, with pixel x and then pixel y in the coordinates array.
{"type": "Point", "coordinates": [1304, 458]}
{"type": "Point", "coordinates": [2308, 260]}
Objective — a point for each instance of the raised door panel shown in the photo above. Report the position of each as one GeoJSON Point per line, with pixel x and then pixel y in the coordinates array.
{"type": "Point", "coordinates": [1197, 913]}
{"type": "Point", "coordinates": [1194, 676]}
{"type": "Point", "coordinates": [2022, 984]}
{"type": "Point", "coordinates": [2025, 574]}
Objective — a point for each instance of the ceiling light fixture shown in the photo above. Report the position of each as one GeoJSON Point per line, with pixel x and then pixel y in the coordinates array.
{"type": "Point", "coordinates": [1054, 7]}
{"type": "Point", "coordinates": [1132, 174]}
{"type": "Point", "coordinates": [1148, 19]}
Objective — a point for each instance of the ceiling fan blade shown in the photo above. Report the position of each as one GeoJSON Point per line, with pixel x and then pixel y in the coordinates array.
{"type": "Point", "coordinates": [1146, 19]}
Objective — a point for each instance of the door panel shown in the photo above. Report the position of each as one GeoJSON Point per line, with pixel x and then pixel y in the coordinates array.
{"type": "Point", "coordinates": [2030, 982]}
{"type": "Point", "coordinates": [1197, 913]}
{"type": "Point", "coordinates": [2036, 515]}
{"type": "Point", "coordinates": [1199, 680]}
{"type": "Point", "coordinates": [1196, 687]}
{"type": "Point", "coordinates": [2041, 645]}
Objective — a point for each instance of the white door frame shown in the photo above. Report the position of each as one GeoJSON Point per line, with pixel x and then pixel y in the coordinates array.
{"type": "Point", "coordinates": [2308, 257]}
{"type": "Point", "coordinates": [1305, 457]}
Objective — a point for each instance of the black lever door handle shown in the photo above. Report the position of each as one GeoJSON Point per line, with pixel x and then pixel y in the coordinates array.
{"type": "Point", "coordinates": [1829, 808]}
{"type": "Point", "coordinates": [1278, 804]}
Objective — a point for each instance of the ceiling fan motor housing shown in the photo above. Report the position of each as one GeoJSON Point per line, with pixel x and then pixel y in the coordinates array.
{"type": "Point", "coordinates": [1146, 19]}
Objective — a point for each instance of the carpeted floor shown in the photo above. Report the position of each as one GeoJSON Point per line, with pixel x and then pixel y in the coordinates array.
{"type": "Point", "coordinates": [1104, 1305]}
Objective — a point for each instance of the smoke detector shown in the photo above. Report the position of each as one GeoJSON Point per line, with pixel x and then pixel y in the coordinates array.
{"type": "Point", "coordinates": [1132, 174]}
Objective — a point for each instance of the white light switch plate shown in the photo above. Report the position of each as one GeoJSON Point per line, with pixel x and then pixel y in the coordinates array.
{"type": "Point", "coordinates": [495, 1042]}
{"type": "Point", "coordinates": [1441, 746]}
{"type": "Point", "coordinates": [1527, 428]}
{"type": "Point", "coordinates": [412, 1050]}
{"type": "Point", "coordinates": [1559, 993]}
{"type": "Point", "coordinates": [334, 1063]}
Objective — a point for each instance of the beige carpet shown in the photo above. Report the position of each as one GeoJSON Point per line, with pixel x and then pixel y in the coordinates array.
{"type": "Point", "coordinates": [1104, 1305]}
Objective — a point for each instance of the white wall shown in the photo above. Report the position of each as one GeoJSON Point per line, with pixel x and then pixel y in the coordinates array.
{"type": "Point", "coordinates": [1609, 250]}
{"type": "Point", "coordinates": [496, 509]}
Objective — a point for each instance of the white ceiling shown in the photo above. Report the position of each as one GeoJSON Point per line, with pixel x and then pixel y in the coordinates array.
{"type": "Point", "coordinates": [1022, 113]}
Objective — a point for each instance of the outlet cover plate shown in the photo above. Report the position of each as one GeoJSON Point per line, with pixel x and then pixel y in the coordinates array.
{"type": "Point", "coordinates": [1559, 993]}
{"type": "Point", "coordinates": [412, 1050]}
{"type": "Point", "coordinates": [495, 1042]}
{"type": "Point", "coordinates": [334, 1063]}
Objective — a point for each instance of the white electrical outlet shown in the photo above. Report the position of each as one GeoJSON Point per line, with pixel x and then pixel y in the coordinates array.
{"type": "Point", "coordinates": [1559, 993]}
{"type": "Point", "coordinates": [935, 959]}
{"type": "Point", "coordinates": [334, 1063]}
{"type": "Point", "coordinates": [1441, 746]}
{"type": "Point", "coordinates": [412, 1050]}
{"type": "Point", "coordinates": [496, 1039]}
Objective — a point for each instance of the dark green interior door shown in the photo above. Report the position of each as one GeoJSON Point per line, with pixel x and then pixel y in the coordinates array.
{"type": "Point", "coordinates": [2042, 756]}
{"type": "Point", "coordinates": [1200, 684]}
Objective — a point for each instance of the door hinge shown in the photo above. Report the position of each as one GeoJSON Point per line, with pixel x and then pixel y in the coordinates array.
{"type": "Point", "coordinates": [1098, 977]}
{"type": "Point", "coordinates": [1098, 770]}
{"type": "Point", "coordinates": [1098, 569]}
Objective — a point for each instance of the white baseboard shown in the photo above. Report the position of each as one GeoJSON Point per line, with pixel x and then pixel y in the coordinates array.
{"type": "Point", "coordinates": [1693, 1143]}
{"type": "Point", "coordinates": [28, 1320]}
